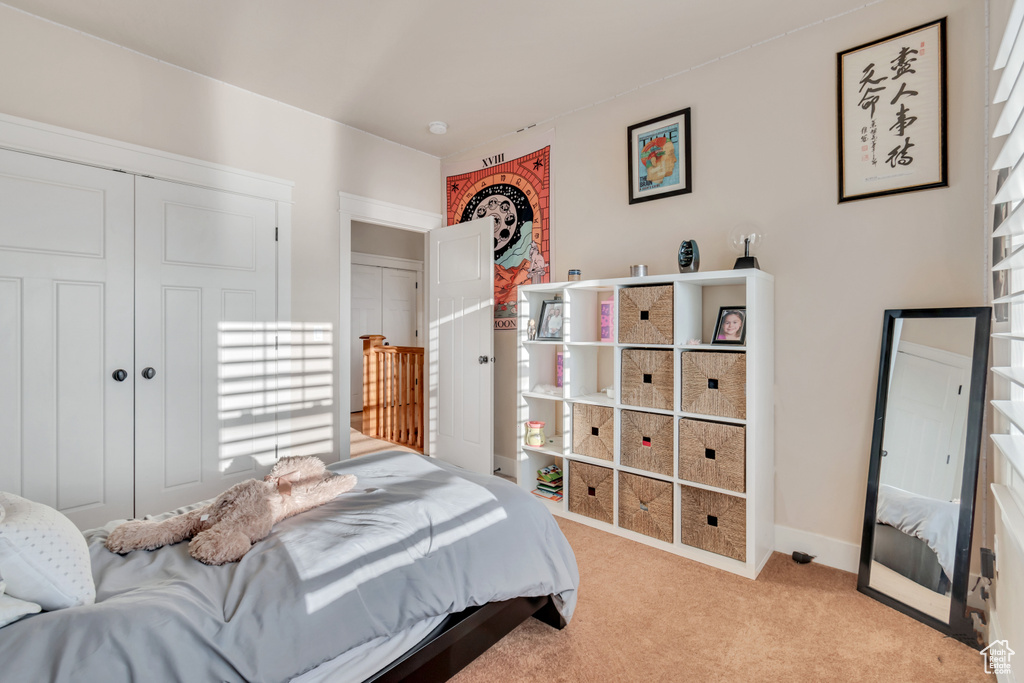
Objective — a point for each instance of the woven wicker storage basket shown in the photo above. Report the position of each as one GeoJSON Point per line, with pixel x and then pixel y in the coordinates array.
{"type": "Point", "coordinates": [593, 431]}
{"type": "Point", "coordinates": [714, 383]}
{"type": "Point", "coordinates": [645, 506]}
{"type": "Point", "coordinates": [646, 442]}
{"type": "Point", "coordinates": [645, 315]}
{"type": "Point", "coordinates": [647, 378]}
{"type": "Point", "coordinates": [713, 453]}
{"type": "Point", "coordinates": [591, 491]}
{"type": "Point", "coordinates": [713, 521]}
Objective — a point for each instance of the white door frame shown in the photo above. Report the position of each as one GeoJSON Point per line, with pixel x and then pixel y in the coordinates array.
{"type": "Point", "coordinates": [375, 212]}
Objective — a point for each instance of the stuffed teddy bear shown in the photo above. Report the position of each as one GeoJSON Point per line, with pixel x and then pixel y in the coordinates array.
{"type": "Point", "coordinates": [224, 530]}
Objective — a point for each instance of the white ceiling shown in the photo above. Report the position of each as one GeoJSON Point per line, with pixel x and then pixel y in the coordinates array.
{"type": "Point", "coordinates": [389, 67]}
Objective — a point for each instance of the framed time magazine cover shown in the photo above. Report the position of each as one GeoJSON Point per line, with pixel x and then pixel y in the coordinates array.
{"type": "Point", "coordinates": [659, 157]}
{"type": "Point", "coordinates": [892, 114]}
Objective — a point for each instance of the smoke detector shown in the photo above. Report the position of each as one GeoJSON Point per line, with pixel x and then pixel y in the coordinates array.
{"type": "Point", "coordinates": [438, 127]}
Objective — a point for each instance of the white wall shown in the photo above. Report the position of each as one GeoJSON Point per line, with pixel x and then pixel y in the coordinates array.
{"type": "Point", "coordinates": [65, 78]}
{"type": "Point", "coordinates": [764, 151]}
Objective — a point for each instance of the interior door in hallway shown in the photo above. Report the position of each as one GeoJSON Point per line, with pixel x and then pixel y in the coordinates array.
{"type": "Point", "coordinates": [207, 397]}
{"type": "Point", "coordinates": [65, 330]}
{"type": "Point", "coordinates": [461, 344]}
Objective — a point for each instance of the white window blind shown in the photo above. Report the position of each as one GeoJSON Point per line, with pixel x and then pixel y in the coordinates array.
{"type": "Point", "coordinates": [1008, 276]}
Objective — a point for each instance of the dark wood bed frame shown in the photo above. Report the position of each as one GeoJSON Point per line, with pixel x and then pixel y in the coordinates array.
{"type": "Point", "coordinates": [463, 637]}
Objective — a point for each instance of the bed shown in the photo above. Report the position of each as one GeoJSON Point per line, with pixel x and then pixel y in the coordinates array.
{"type": "Point", "coordinates": [915, 536]}
{"type": "Point", "coordinates": [409, 576]}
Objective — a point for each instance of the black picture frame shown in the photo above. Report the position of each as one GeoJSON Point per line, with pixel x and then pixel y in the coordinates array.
{"type": "Point", "coordinates": [660, 147]}
{"type": "Point", "coordinates": [959, 625]}
{"type": "Point", "coordinates": [873, 159]}
{"type": "Point", "coordinates": [550, 310]}
{"type": "Point", "coordinates": [731, 310]}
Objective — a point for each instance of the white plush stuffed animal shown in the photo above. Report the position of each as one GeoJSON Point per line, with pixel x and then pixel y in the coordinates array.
{"type": "Point", "coordinates": [224, 530]}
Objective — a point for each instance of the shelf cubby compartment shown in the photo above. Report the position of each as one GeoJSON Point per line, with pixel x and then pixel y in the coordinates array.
{"type": "Point", "coordinates": [550, 412]}
{"type": "Point", "coordinates": [646, 314]}
{"type": "Point", "coordinates": [713, 453]}
{"type": "Point", "coordinates": [587, 370]}
{"type": "Point", "coordinates": [647, 378]}
{"type": "Point", "coordinates": [541, 369]}
{"type": "Point", "coordinates": [646, 441]}
{"type": "Point", "coordinates": [711, 299]}
{"type": "Point", "coordinates": [688, 322]}
{"type": "Point", "coordinates": [591, 490]}
{"type": "Point", "coordinates": [583, 324]}
{"type": "Point", "coordinates": [646, 506]}
{"type": "Point", "coordinates": [593, 431]}
{"type": "Point", "coordinates": [716, 522]}
{"type": "Point", "coordinates": [713, 383]}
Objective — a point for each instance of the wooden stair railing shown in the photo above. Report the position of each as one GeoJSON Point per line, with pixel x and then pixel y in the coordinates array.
{"type": "Point", "coordinates": [393, 392]}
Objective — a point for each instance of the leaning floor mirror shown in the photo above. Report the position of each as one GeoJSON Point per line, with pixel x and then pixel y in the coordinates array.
{"type": "Point", "coordinates": [915, 554]}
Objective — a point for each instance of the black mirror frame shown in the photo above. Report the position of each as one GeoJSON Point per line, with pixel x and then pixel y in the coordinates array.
{"type": "Point", "coordinates": [960, 625]}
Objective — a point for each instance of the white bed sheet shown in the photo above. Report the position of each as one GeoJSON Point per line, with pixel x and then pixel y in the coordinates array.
{"type": "Point", "coordinates": [933, 521]}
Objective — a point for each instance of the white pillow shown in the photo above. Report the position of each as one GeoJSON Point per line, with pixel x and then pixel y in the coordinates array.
{"type": "Point", "coordinates": [43, 556]}
{"type": "Point", "coordinates": [12, 609]}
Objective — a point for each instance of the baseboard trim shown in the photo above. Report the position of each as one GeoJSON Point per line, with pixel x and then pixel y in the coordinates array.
{"type": "Point", "coordinates": [995, 634]}
{"type": "Point", "coordinates": [830, 552]}
{"type": "Point", "coordinates": [507, 466]}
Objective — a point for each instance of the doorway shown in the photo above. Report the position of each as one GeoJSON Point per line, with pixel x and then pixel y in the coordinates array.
{"type": "Point", "coordinates": [394, 232]}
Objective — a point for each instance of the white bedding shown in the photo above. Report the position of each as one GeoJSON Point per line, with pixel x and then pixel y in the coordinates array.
{"type": "Point", "coordinates": [933, 521]}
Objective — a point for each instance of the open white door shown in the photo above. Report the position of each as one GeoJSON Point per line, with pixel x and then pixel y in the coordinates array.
{"type": "Point", "coordinates": [461, 345]}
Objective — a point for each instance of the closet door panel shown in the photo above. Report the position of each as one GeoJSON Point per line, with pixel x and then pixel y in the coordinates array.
{"type": "Point", "coordinates": [205, 312]}
{"type": "Point", "coordinates": [366, 319]}
{"type": "Point", "coordinates": [399, 306]}
{"type": "Point", "coordinates": [66, 306]}
{"type": "Point", "coordinates": [10, 384]}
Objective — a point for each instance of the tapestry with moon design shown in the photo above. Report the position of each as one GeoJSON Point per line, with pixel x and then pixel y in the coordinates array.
{"type": "Point", "coordinates": [517, 194]}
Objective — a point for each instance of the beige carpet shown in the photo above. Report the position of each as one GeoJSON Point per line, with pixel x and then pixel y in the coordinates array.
{"type": "Point", "coordinates": [647, 615]}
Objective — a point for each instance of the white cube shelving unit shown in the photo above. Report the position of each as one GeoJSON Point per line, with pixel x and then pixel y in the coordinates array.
{"type": "Point", "coordinates": [590, 365]}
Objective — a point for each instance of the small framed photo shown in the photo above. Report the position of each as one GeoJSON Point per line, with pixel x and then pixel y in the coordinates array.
{"type": "Point", "coordinates": [732, 325]}
{"type": "Point", "coordinates": [659, 157]}
{"type": "Point", "coordinates": [549, 325]}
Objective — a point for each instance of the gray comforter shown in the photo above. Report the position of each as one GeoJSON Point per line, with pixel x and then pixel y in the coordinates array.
{"type": "Point", "coordinates": [416, 538]}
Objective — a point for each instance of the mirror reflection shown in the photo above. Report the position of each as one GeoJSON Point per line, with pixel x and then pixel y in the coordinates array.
{"type": "Point", "coordinates": [922, 462]}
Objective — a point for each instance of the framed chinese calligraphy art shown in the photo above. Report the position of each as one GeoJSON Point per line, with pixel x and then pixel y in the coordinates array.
{"type": "Point", "coordinates": [659, 157]}
{"type": "Point", "coordinates": [892, 114]}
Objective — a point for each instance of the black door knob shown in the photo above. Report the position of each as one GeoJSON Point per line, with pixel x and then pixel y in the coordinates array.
{"type": "Point", "coordinates": [119, 375]}
{"type": "Point", "coordinates": [149, 373]}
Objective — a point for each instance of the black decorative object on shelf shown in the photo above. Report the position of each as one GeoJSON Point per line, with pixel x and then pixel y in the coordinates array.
{"type": "Point", "coordinates": [745, 239]}
{"type": "Point", "coordinates": [689, 257]}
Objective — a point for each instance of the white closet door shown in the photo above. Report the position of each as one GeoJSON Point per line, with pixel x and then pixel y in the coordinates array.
{"type": "Point", "coordinates": [65, 328]}
{"type": "Point", "coordinates": [205, 298]}
{"type": "Point", "coordinates": [398, 302]}
{"type": "Point", "coordinates": [366, 319]}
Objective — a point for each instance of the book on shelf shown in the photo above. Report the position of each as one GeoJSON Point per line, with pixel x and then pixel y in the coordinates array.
{"type": "Point", "coordinates": [541, 486]}
{"type": "Point", "coordinates": [549, 473]}
{"type": "Point", "coordinates": [548, 496]}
